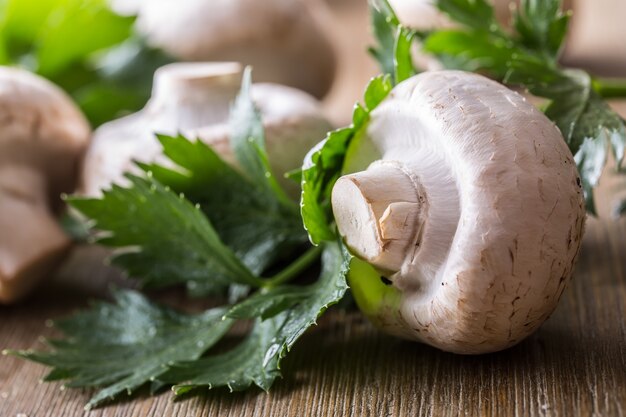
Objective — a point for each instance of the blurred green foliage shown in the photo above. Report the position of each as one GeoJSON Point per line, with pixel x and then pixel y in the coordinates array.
{"type": "Point", "coordinates": [85, 48]}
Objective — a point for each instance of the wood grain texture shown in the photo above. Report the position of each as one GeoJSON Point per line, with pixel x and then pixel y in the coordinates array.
{"type": "Point", "coordinates": [575, 365]}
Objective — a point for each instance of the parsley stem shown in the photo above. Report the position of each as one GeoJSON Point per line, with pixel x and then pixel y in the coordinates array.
{"type": "Point", "coordinates": [296, 267]}
{"type": "Point", "coordinates": [610, 88]}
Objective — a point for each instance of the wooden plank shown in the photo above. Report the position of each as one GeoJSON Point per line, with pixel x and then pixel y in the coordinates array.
{"type": "Point", "coordinates": [575, 365]}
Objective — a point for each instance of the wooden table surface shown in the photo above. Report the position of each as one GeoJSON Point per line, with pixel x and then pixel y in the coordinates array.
{"type": "Point", "coordinates": [575, 365]}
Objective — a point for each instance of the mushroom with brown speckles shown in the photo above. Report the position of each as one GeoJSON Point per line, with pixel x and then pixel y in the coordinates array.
{"type": "Point", "coordinates": [473, 213]}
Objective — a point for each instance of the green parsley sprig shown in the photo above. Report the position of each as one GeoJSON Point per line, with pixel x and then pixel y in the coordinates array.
{"type": "Point", "coordinates": [203, 224]}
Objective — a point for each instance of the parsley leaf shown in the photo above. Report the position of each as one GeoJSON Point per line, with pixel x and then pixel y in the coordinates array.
{"type": "Point", "coordinates": [122, 346]}
{"type": "Point", "coordinates": [384, 23]}
{"type": "Point", "coordinates": [164, 239]}
{"type": "Point", "coordinates": [247, 138]}
{"type": "Point", "coordinates": [326, 163]}
{"type": "Point", "coordinates": [402, 51]}
{"type": "Point", "coordinates": [395, 42]}
{"type": "Point", "coordinates": [236, 369]}
{"type": "Point", "coordinates": [248, 219]}
{"type": "Point", "coordinates": [475, 14]}
{"type": "Point", "coordinates": [542, 26]}
{"type": "Point", "coordinates": [286, 313]}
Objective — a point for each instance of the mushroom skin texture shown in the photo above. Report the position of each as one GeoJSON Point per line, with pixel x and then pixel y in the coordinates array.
{"type": "Point", "coordinates": [473, 214]}
{"type": "Point", "coordinates": [194, 99]}
{"type": "Point", "coordinates": [42, 138]}
{"type": "Point", "coordinates": [285, 41]}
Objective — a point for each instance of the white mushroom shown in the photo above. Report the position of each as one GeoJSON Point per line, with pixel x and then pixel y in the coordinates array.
{"type": "Point", "coordinates": [42, 138]}
{"type": "Point", "coordinates": [195, 99]}
{"type": "Point", "coordinates": [285, 41]}
{"type": "Point", "coordinates": [473, 214]}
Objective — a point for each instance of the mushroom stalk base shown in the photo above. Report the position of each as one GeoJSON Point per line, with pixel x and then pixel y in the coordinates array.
{"type": "Point", "coordinates": [378, 213]}
{"type": "Point", "coordinates": [31, 242]}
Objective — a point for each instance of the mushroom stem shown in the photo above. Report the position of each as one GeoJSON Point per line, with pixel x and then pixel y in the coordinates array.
{"type": "Point", "coordinates": [31, 241]}
{"type": "Point", "coordinates": [185, 86]}
{"type": "Point", "coordinates": [378, 212]}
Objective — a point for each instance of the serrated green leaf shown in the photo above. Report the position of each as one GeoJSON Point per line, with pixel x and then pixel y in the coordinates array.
{"type": "Point", "coordinates": [377, 90]}
{"type": "Point", "coordinates": [237, 369]}
{"type": "Point", "coordinates": [384, 24]}
{"type": "Point", "coordinates": [403, 61]}
{"type": "Point", "coordinates": [393, 51]}
{"type": "Point", "coordinates": [472, 51]}
{"type": "Point", "coordinates": [124, 345]}
{"type": "Point", "coordinates": [161, 238]}
{"type": "Point", "coordinates": [257, 359]}
{"type": "Point", "coordinates": [247, 139]}
{"type": "Point", "coordinates": [326, 163]}
{"type": "Point", "coordinates": [475, 14]}
{"type": "Point", "coordinates": [267, 304]}
{"type": "Point", "coordinates": [541, 26]}
{"type": "Point", "coordinates": [248, 220]}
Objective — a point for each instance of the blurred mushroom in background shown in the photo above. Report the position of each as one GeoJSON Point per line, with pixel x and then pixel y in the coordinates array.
{"type": "Point", "coordinates": [286, 41]}
{"type": "Point", "coordinates": [194, 98]}
{"type": "Point", "coordinates": [42, 138]}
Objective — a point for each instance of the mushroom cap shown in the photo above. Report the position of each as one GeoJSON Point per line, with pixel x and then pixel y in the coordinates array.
{"type": "Point", "coordinates": [42, 128]}
{"type": "Point", "coordinates": [285, 41]}
{"type": "Point", "coordinates": [194, 99]}
{"type": "Point", "coordinates": [490, 231]}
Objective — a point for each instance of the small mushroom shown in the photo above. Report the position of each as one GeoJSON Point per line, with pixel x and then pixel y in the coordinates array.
{"type": "Point", "coordinates": [286, 41]}
{"type": "Point", "coordinates": [195, 99]}
{"type": "Point", "coordinates": [473, 214]}
{"type": "Point", "coordinates": [42, 138]}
